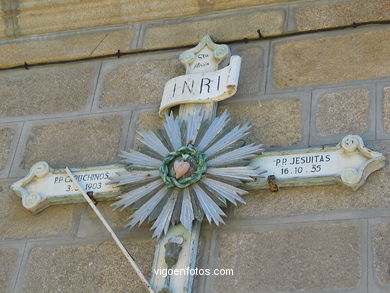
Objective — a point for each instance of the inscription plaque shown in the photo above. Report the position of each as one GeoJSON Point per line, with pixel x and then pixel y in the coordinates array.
{"type": "Point", "coordinates": [202, 87]}
{"type": "Point", "coordinates": [349, 163]}
{"type": "Point", "coordinates": [44, 186]}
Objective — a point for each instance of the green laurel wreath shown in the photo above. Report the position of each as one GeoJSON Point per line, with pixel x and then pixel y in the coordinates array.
{"type": "Point", "coordinates": [184, 152]}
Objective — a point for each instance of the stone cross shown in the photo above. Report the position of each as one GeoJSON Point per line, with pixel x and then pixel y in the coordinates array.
{"type": "Point", "coordinates": [203, 85]}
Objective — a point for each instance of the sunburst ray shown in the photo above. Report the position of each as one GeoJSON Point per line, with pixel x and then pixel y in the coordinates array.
{"type": "Point", "coordinates": [187, 213]}
{"type": "Point", "coordinates": [135, 177]}
{"type": "Point", "coordinates": [231, 193]}
{"type": "Point", "coordinates": [245, 173]}
{"type": "Point", "coordinates": [176, 211]}
{"type": "Point", "coordinates": [151, 140]}
{"type": "Point", "coordinates": [231, 137]}
{"type": "Point", "coordinates": [216, 126]}
{"type": "Point", "coordinates": [235, 156]}
{"type": "Point", "coordinates": [172, 127]}
{"type": "Point", "coordinates": [138, 159]}
{"type": "Point", "coordinates": [163, 220]}
{"type": "Point", "coordinates": [143, 212]}
{"type": "Point", "coordinates": [132, 196]}
{"type": "Point", "coordinates": [212, 211]}
{"type": "Point", "coordinates": [193, 126]}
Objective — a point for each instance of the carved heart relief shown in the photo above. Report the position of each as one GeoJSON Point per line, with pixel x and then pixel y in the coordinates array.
{"type": "Point", "coordinates": [181, 168]}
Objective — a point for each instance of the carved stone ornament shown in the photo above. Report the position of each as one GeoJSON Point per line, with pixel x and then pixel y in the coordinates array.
{"type": "Point", "coordinates": [213, 167]}
{"type": "Point", "coordinates": [44, 186]}
{"type": "Point", "coordinates": [203, 84]}
{"type": "Point", "coordinates": [348, 163]}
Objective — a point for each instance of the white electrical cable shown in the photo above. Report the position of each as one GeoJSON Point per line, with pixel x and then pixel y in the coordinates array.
{"type": "Point", "coordinates": [116, 239]}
